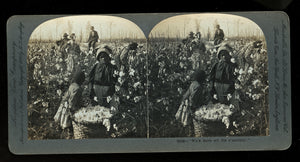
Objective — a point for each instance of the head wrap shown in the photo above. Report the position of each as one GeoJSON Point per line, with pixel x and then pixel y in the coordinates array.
{"type": "Point", "coordinates": [79, 76]}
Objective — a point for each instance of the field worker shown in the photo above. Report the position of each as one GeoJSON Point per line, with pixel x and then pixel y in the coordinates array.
{"type": "Point", "coordinates": [219, 35]}
{"type": "Point", "coordinates": [71, 101]}
{"type": "Point", "coordinates": [93, 38]}
{"type": "Point", "coordinates": [62, 45]}
{"type": "Point", "coordinates": [198, 51]}
{"type": "Point", "coordinates": [196, 96]}
{"type": "Point", "coordinates": [73, 51]}
{"type": "Point", "coordinates": [189, 42]}
{"type": "Point", "coordinates": [101, 78]}
{"type": "Point", "coordinates": [222, 76]}
{"type": "Point", "coordinates": [123, 58]}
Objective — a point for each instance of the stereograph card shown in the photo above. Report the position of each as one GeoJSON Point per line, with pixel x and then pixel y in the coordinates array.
{"type": "Point", "coordinates": [160, 82]}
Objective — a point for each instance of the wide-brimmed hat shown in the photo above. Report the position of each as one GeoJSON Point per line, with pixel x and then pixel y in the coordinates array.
{"type": "Point", "coordinates": [79, 76]}
{"type": "Point", "coordinates": [133, 46]}
{"type": "Point", "coordinates": [72, 36]}
{"type": "Point", "coordinates": [191, 33]}
{"type": "Point", "coordinates": [199, 75]}
{"type": "Point", "coordinates": [65, 35]}
{"type": "Point", "coordinates": [224, 49]}
{"type": "Point", "coordinates": [103, 52]}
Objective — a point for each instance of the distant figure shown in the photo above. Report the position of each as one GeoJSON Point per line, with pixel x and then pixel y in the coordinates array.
{"type": "Point", "coordinates": [93, 38]}
{"type": "Point", "coordinates": [73, 51]}
{"type": "Point", "coordinates": [219, 35]}
{"type": "Point", "coordinates": [198, 51]}
{"type": "Point", "coordinates": [123, 58]}
{"type": "Point", "coordinates": [62, 45]}
{"type": "Point", "coordinates": [71, 101]}
{"type": "Point", "coordinates": [101, 78]}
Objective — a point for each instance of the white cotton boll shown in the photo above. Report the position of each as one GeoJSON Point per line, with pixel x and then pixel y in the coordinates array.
{"type": "Point", "coordinates": [137, 84]}
{"type": "Point", "coordinates": [66, 104]}
{"type": "Point", "coordinates": [117, 88]}
{"type": "Point", "coordinates": [240, 78]}
{"type": "Point", "coordinates": [131, 73]}
{"type": "Point", "coordinates": [137, 99]}
{"type": "Point", "coordinates": [233, 60]}
{"type": "Point", "coordinates": [241, 71]}
{"type": "Point", "coordinates": [45, 104]}
{"type": "Point", "coordinates": [57, 66]}
{"type": "Point", "coordinates": [250, 70]}
{"type": "Point", "coordinates": [113, 109]}
{"type": "Point", "coordinates": [180, 90]}
{"type": "Point", "coordinates": [229, 96]}
{"type": "Point", "coordinates": [115, 127]}
{"type": "Point", "coordinates": [215, 96]}
{"type": "Point", "coordinates": [235, 124]}
{"type": "Point", "coordinates": [237, 86]}
{"type": "Point", "coordinates": [226, 121]}
{"type": "Point", "coordinates": [256, 83]}
{"type": "Point", "coordinates": [236, 70]}
{"type": "Point", "coordinates": [108, 99]}
{"type": "Point", "coordinates": [121, 73]}
{"type": "Point", "coordinates": [106, 123]}
{"type": "Point", "coordinates": [116, 73]}
{"type": "Point", "coordinates": [181, 64]}
{"type": "Point", "coordinates": [113, 62]}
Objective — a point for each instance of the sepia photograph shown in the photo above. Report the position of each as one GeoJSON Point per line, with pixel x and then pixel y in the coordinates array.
{"type": "Point", "coordinates": [195, 75]}
{"type": "Point", "coordinates": [86, 79]}
{"type": "Point", "coordinates": [208, 77]}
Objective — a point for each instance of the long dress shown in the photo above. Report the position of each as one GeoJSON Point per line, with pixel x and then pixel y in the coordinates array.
{"type": "Point", "coordinates": [71, 101]}
{"type": "Point", "coordinates": [222, 77]}
{"type": "Point", "coordinates": [73, 55]}
{"type": "Point", "coordinates": [195, 97]}
{"type": "Point", "coordinates": [102, 82]}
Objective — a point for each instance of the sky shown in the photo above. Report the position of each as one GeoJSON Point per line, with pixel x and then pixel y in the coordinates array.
{"type": "Point", "coordinates": [180, 26]}
{"type": "Point", "coordinates": [117, 27]}
{"type": "Point", "coordinates": [106, 26]}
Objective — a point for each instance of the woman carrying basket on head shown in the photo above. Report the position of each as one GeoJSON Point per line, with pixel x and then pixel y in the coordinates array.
{"type": "Point", "coordinates": [70, 102]}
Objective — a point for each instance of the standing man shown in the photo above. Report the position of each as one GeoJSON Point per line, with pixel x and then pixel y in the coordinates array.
{"type": "Point", "coordinates": [219, 35]}
{"type": "Point", "coordinates": [93, 38]}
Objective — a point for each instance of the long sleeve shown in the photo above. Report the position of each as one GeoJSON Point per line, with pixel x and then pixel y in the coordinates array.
{"type": "Point", "coordinates": [187, 93]}
{"type": "Point", "coordinates": [75, 97]}
{"type": "Point", "coordinates": [91, 79]}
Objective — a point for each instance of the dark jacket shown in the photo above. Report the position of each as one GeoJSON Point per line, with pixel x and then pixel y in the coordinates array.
{"type": "Point", "coordinates": [93, 36]}
{"type": "Point", "coordinates": [197, 95]}
{"type": "Point", "coordinates": [73, 49]}
{"type": "Point", "coordinates": [223, 72]}
{"type": "Point", "coordinates": [219, 36]}
{"type": "Point", "coordinates": [102, 74]}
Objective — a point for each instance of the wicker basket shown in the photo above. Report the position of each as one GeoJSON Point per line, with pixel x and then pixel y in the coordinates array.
{"type": "Point", "coordinates": [92, 126]}
{"type": "Point", "coordinates": [92, 130]}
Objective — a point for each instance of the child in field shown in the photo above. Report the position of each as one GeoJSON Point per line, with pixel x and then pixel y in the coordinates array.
{"type": "Point", "coordinates": [196, 96]}
{"type": "Point", "coordinates": [70, 102]}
